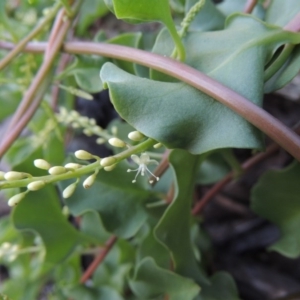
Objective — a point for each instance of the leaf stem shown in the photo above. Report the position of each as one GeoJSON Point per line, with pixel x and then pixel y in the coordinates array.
{"type": "Point", "coordinates": [20, 46]}
{"type": "Point", "coordinates": [178, 43]}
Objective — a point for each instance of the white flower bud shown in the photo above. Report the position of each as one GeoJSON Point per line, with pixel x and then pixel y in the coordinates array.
{"type": "Point", "coordinates": [65, 211]}
{"type": "Point", "coordinates": [89, 181]}
{"type": "Point", "coordinates": [110, 168]}
{"type": "Point", "coordinates": [36, 185]}
{"type": "Point", "coordinates": [14, 200]}
{"type": "Point", "coordinates": [2, 175]}
{"type": "Point", "coordinates": [114, 130]}
{"type": "Point", "coordinates": [12, 175]}
{"type": "Point", "coordinates": [82, 154]}
{"type": "Point", "coordinates": [73, 166]}
{"type": "Point", "coordinates": [92, 122]}
{"type": "Point", "coordinates": [117, 142]}
{"type": "Point", "coordinates": [69, 190]}
{"type": "Point", "coordinates": [135, 136]}
{"type": "Point", "coordinates": [107, 161]}
{"type": "Point", "coordinates": [87, 132]}
{"type": "Point", "coordinates": [100, 141]}
{"type": "Point", "coordinates": [158, 145]}
{"type": "Point", "coordinates": [42, 164]}
{"type": "Point", "coordinates": [57, 170]}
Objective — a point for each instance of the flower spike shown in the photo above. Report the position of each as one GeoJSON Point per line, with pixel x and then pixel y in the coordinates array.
{"type": "Point", "coordinates": [143, 161]}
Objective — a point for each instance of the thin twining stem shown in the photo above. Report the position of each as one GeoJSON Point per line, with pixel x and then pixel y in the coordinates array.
{"type": "Point", "coordinates": [98, 259]}
{"type": "Point", "coordinates": [20, 46]}
{"type": "Point", "coordinates": [277, 131]}
{"type": "Point", "coordinates": [201, 204]}
{"type": "Point", "coordinates": [30, 101]}
{"type": "Point", "coordinates": [250, 4]}
{"type": "Point", "coordinates": [246, 166]}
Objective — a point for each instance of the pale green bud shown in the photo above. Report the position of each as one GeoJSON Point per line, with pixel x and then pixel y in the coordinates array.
{"type": "Point", "coordinates": [65, 211]}
{"type": "Point", "coordinates": [135, 136]}
{"type": "Point", "coordinates": [42, 164]}
{"type": "Point", "coordinates": [73, 166]}
{"type": "Point", "coordinates": [57, 170]}
{"type": "Point", "coordinates": [82, 154]}
{"type": "Point", "coordinates": [87, 132]}
{"type": "Point", "coordinates": [114, 130]}
{"type": "Point", "coordinates": [2, 175]}
{"type": "Point", "coordinates": [107, 161]}
{"type": "Point", "coordinates": [13, 175]}
{"type": "Point", "coordinates": [89, 181]}
{"type": "Point", "coordinates": [69, 190]}
{"type": "Point", "coordinates": [117, 142]}
{"type": "Point", "coordinates": [100, 141]}
{"type": "Point", "coordinates": [14, 200]}
{"type": "Point", "coordinates": [158, 145]}
{"type": "Point", "coordinates": [35, 185]}
{"type": "Point", "coordinates": [110, 168]}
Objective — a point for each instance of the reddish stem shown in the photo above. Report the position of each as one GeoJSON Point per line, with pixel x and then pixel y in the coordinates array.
{"type": "Point", "coordinates": [247, 165]}
{"type": "Point", "coordinates": [250, 6]}
{"type": "Point", "coordinates": [98, 259]}
{"type": "Point", "coordinates": [55, 89]}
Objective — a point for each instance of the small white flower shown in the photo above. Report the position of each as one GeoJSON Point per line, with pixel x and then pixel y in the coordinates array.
{"type": "Point", "coordinates": [143, 161]}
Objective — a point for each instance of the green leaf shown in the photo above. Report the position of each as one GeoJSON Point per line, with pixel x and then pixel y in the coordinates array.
{"type": "Point", "coordinates": [209, 18]}
{"type": "Point", "coordinates": [195, 121]}
{"type": "Point", "coordinates": [229, 7]}
{"type": "Point", "coordinates": [173, 230]}
{"type": "Point", "coordinates": [143, 10]}
{"type": "Point", "coordinates": [286, 73]}
{"type": "Point", "coordinates": [129, 40]}
{"type": "Point", "coordinates": [212, 169]}
{"type": "Point", "coordinates": [92, 226]}
{"type": "Point", "coordinates": [151, 281]}
{"type": "Point", "coordinates": [116, 198]}
{"type": "Point", "coordinates": [9, 100]}
{"type": "Point", "coordinates": [222, 287]}
{"type": "Point", "coordinates": [40, 212]}
{"type": "Point", "coordinates": [177, 5]}
{"type": "Point", "coordinates": [90, 293]}
{"type": "Point", "coordinates": [276, 197]}
{"type": "Point", "coordinates": [90, 11]}
{"type": "Point", "coordinates": [149, 10]}
{"type": "Point", "coordinates": [86, 72]}
{"type": "Point", "coordinates": [282, 12]}
{"type": "Point", "coordinates": [151, 247]}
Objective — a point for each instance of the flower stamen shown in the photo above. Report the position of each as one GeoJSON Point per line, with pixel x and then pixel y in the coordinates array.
{"type": "Point", "coordinates": [143, 161]}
